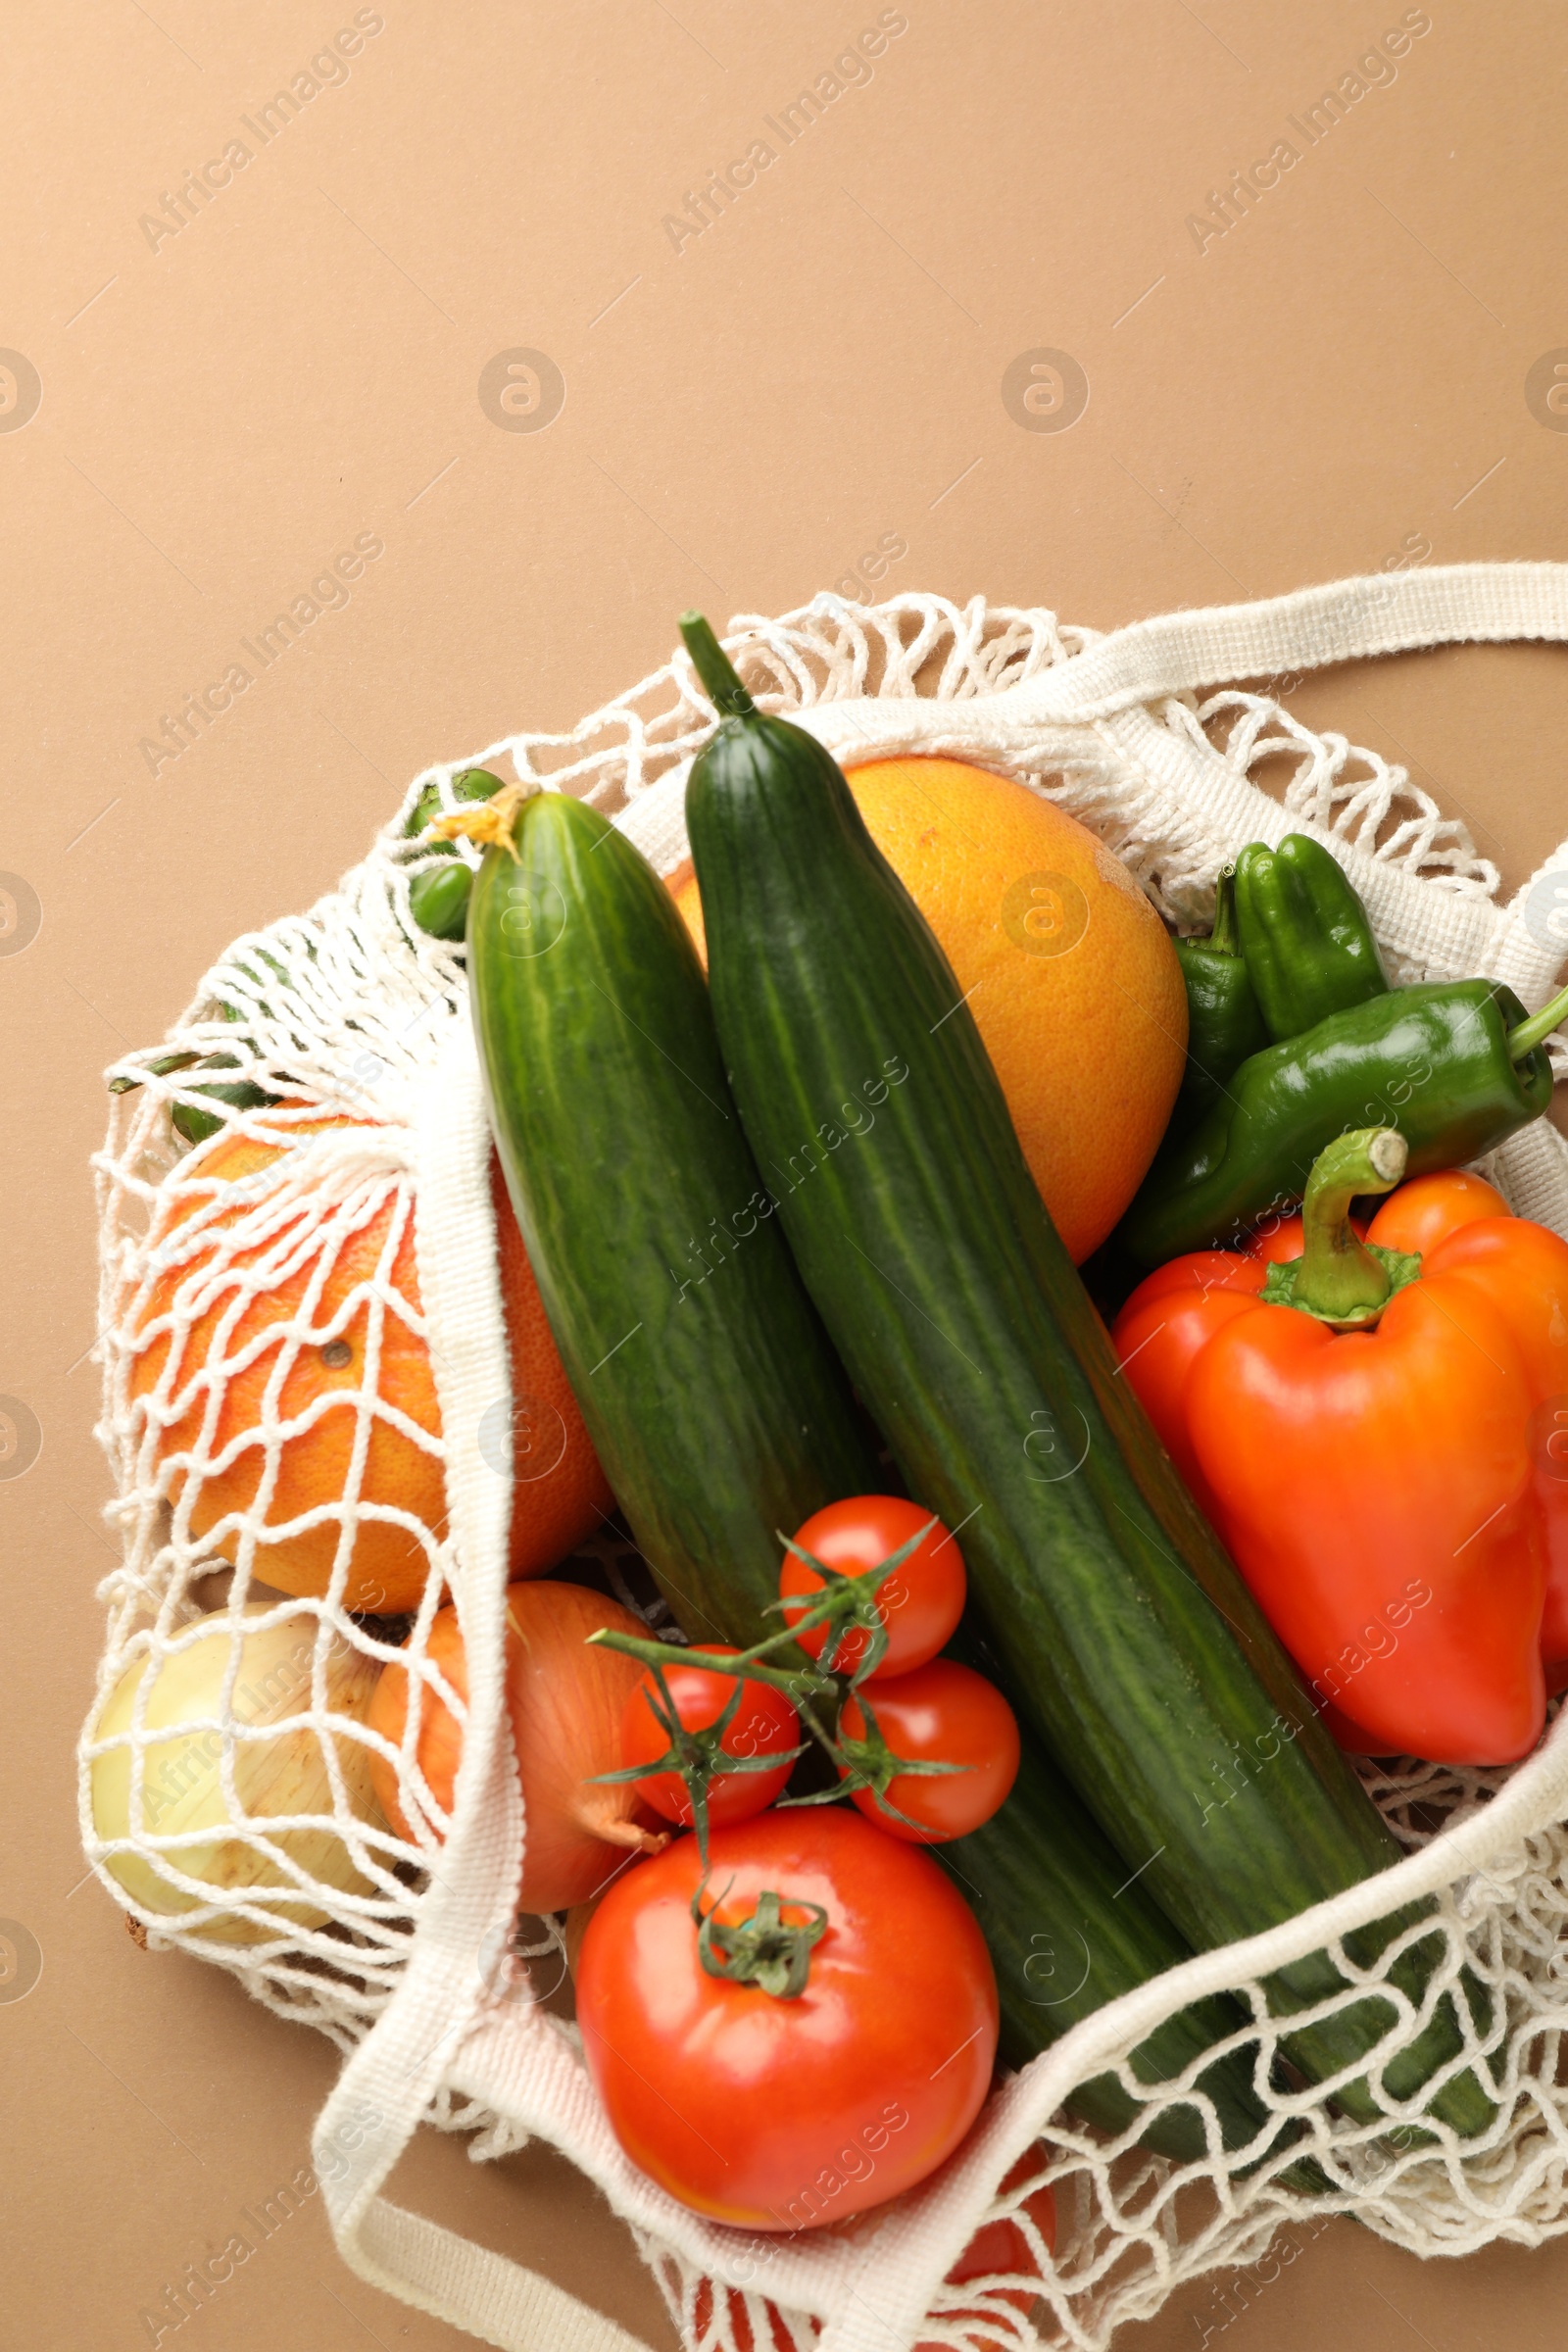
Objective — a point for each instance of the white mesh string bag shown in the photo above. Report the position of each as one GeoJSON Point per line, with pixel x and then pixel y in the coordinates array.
{"type": "Point", "coordinates": [360, 1193]}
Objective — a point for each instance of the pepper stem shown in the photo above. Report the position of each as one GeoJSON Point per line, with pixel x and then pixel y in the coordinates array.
{"type": "Point", "coordinates": [1225, 938]}
{"type": "Point", "coordinates": [1337, 1278]}
{"type": "Point", "coordinates": [1535, 1031]}
{"type": "Point", "coordinates": [715, 668]}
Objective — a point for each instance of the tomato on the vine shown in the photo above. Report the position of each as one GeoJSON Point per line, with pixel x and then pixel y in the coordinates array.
{"type": "Point", "coordinates": [764, 1723]}
{"type": "Point", "coordinates": [777, 2111]}
{"type": "Point", "coordinates": [919, 1603]}
{"type": "Point", "coordinates": [941, 1713]}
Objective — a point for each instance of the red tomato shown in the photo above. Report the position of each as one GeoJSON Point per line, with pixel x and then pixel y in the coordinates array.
{"type": "Point", "coordinates": [943, 1713]}
{"type": "Point", "coordinates": [1002, 2248]}
{"type": "Point", "coordinates": [763, 1723]}
{"type": "Point", "coordinates": [741, 2333]}
{"type": "Point", "coordinates": [999, 2249]}
{"type": "Point", "coordinates": [783, 2114]}
{"type": "Point", "coordinates": [921, 1601]}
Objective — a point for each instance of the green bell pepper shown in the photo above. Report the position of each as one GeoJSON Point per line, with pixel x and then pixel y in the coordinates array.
{"type": "Point", "coordinates": [1304, 934]}
{"type": "Point", "coordinates": [1455, 1066]}
{"type": "Point", "coordinates": [438, 895]}
{"type": "Point", "coordinates": [1224, 1024]}
{"type": "Point", "coordinates": [188, 1119]}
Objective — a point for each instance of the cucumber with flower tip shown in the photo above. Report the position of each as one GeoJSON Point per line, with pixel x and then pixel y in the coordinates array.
{"type": "Point", "coordinates": [1125, 1633]}
{"type": "Point", "coordinates": [716, 1403]}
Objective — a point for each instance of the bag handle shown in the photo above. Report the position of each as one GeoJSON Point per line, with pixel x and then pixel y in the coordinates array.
{"type": "Point", "coordinates": [1343, 620]}
{"type": "Point", "coordinates": [1043, 721]}
{"type": "Point", "coordinates": [389, 2080]}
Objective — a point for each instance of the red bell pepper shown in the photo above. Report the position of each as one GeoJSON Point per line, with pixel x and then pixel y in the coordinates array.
{"type": "Point", "coordinates": [1379, 1433]}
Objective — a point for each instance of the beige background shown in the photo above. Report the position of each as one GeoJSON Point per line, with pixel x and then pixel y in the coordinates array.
{"type": "Point", "coordinates": [1337, 382]}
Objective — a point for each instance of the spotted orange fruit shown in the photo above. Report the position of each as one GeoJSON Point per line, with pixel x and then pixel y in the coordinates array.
{"type": "Point", "coordinates": [1068, 970]}
{"type": "Point", "coordinates": [287, 1380]}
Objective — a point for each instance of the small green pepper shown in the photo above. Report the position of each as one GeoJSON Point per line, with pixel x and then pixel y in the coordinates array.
{"type": "Point", "coordinates": [240, 1094]}
{"type": "Point", "coordinates": [188, 1119]}
{"type": "Point", "coordinates": [438, 895]}
{"type": "Point", "coordinates": [163, 1067]}
{"type": "Point", "coordinates": [469, 784]}
{"type": "Point", "coordinates": [1455, 1066]}
{"type": "Point", "coordinates": [1304, 934]}
{"type": "Point", "coordinates": [1224, 1026]}
{"type": "Point", "coordinates": [438, 899]}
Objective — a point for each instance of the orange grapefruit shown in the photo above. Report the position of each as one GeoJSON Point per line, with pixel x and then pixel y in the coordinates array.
{"type": "Point", "coordinates": [1068, 970]}
{"type": "Point", "coordinates": [280, 1392]}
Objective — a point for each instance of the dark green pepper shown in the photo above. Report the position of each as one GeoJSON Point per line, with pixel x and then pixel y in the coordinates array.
{"type": "Point", "coordinates": [240, 1094]}
{"type": "Point", "coordinates": [1304, 934]}
{"type": "Point", "coordinates": [1454, 1064]}
{"type": "Point", "coordinates": [163, 1067]}
{"type": "Point", "coordinates": [188, 1119]}
{"type": "Point", "coordinates": [438, 899]}
{"type": "Point", "coordinates": [1224, 1024]}
{"type": "Point", "coordinates": [438, 895]}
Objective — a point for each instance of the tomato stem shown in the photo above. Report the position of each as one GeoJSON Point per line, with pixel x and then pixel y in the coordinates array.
{"type": "Point", "coordinates": [732, 1662]}
{"type": "Point", "coordinates": [764, 1948]}
{"type": "Point", "coordinates": [846, 1599]}
{"type": "Point", "coordinates": [844, 1604]}
{"type": "Point", "coordinates": [870, 1763]}
{"type": "Point", "coordinates": [847, 1602]}
{"type": "Point", "coordinates": [699, 1756]}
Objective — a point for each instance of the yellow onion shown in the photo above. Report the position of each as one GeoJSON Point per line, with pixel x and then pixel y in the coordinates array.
{"type": "Point", "coordinates": [182, 1787]}
{"type": "Point", "coordinates": [566, 1701]}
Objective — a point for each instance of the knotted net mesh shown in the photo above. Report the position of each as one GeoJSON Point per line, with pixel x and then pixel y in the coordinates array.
{"type": "Point", "coordinates": [275, 1433]}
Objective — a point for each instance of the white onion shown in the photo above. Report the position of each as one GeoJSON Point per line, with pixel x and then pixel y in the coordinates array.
{"type": "Point", "coordinates": [182, 1782]}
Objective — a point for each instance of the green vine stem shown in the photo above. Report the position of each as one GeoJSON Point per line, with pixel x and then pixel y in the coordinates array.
{"type": "Point", "coordinates": [741, 1663]}
{"type": "Point", "coordinates": [700, 1757]}
{"type": "Point", "coordinates": [845, 1604]}
{"type": "Point", "coordinates": [869, 1763]}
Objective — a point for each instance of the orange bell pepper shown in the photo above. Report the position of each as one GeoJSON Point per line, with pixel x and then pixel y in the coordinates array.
{"type": "Point", "coordinates": [1379, 1433]}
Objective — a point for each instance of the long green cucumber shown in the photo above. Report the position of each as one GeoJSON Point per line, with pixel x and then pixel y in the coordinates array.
{"type": "Point", "coordinates": [715, 1401]}
{"type": "Point", "coordinates": [1127, 1635]}
{"type": "Point", "coordinates": [1071, 1928]}
{"type": "Point", "coordinates": [706, 1384]}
